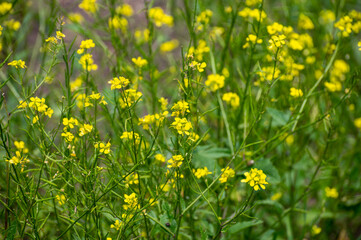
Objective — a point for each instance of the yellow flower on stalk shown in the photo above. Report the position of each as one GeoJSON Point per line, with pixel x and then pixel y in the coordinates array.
{"type": "Point", "coordinates": [252, 39]}
{"type": "Point", "coordinates": [201, 172]}
{"type": "Point", "coordinates": [18, 159]}
{"type": "Point", "coordinates": [305, 22]}
{"type": "Point", "coordinates": [71, 122]}
{"type": "Point", "coordinates": [276, 196]}
{"type": "Point", "coordinates": [85, 44]}
{"type": "Point", "coordinates": [182, 125]}
{"type": "Point", "coordinates": [357, 122]}
{"type": "Point", "coordinates": [52, 40]}
{"type": "Point", "coordinates": [232, 99]}
{"type": "Point", "coordinates": [180, 108]}
{"type": "Point", "coordinates": [159, 157]}
{"type": "Point", "coordinates": [175, 161]}
{"type": "Point", "coordinates": [169, 46]}
{"type": "Point", "coordinates": [86, 128]}
{"type": "Point", "coordinates": [76, 84]}
{"type": "Point", "coordinates": [359, 45]}
{"type": "Point", "coordinates": [130, 96]}
{"type": "Point", "coordinates": [60, 35]}
{"type": "Point", "coordinates": [76, 18]}
{"type": "Point", "coordinates": [61, 199]}
{"type": "Point", "coordinates": [226, 173]}
{"type": "Point", "coordinates": [131, 179]}
{"type": "Point", "coordinates": [118, 83]}
{"type": "Point", "coordinates": [131, 202]}
{"type": "Point", "coordinates": [164, 103]}
{"type": "Point", "coordinates": [129, 136]}
{"type": "Point", "coordinates": [159, 17]}
{"type": "Point", "coordinates": [69, 137]}
{"type": "Point", "coordinates": [315, 230]}
{"type": "Point", "coordinates": [12, 24]}
{"type": "Point", "coordinates": [125, 10]}
{"type": "Point", "coordinates": [118, 23]}
{"type": "Point", "coordinates": [103, 148]}
{"type": "Point", "coordinates": [35, 119]}
{"type": "Point", "coordinates": [5, 7]}
{"type": "Point", "coordinates": [199, 51]}
{"type": "Point", "coordinates": [139, 62]}
{"type": "Point", "coordinates": [117, 225]}
{"type": "Point", "coordinates": [87, 62]}
{"type": "Point", "coordinates": [20, 145]}
{"type": "Point", "coordinates": [333, 86]}
{"type": "Point", "coordinates": [253, 13]}
{"type": "Point", "coordinates": [294, 92]}
{"type": "Point", "coordinates": [256, 179]}
{"type": "Point", "coordinates": [215, 82]}
{"type": "Point", "coordinates": [89, 6]}
{"type": "Point", "coordinates": [277, 41]}
{"type": "Point", "coordinates": [199, 66]}
{"type": "Point", "coordinates": [17, 64]}
{"type": "Point", "coordinates": [331, 192]}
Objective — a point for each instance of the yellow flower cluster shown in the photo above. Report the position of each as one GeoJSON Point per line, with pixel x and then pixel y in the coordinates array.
{"type": "Point", "coordinates": [103, 148]}
{"type": "Point", "coordinates": [86, 101]}
{"type": "Point", "coordinates": [17, 64]}
{"type": "Point", "coordinates": [305, 22]}
{"type": "Point", "coordinates": [199, 66]}
{"type": "Point", "coordinates": [131, 202]}
{"type": "Point", "coordinates": [201, 172]}
{"type": "Point", "coordinates": [38, 104]}
{"type": "Point", "coordinates": [5, 7]}
{"type": "Point", "coordinates": [357, 123]}
{"type": "Point", "coordinates": [125, 10]}
{"type": "Point", "coordinates": [131, 179]}
{"type": "Point", "coordinates": [169, 46]}
{"type": "Point", "coordinates": [252, 13]}
{"type": "Point", "coordinates": [268, 73]}
{"type": "Point", "coordinates": [19, 157]}
{"type": "Point", "coordinates": [349, 23]}
{"type": "Point", "coordinates": [252, 39]}
{"type": "Point", "coordinates": [117, 22]}
{"type": "Point", "coordinates": [61, 199]}
{"type": "Point", "coordinates": [215, 82]}
{"type": "Point", "coordinates": [331, 192]}
{"type": "Point", "coordinates": [12, 24]}
{"type": "Point", "coordinates": [84, 45]}
{"type": "Point", "coordinates": [87, 62]}
{"type": "Point", "coordinates": [118, 83]}
{"type": "Point", "coordinates": [199, 51]}
{"type": "Point", "coordinates": [76, 18]}
{"type": "Point", "coordinates": [232, 99]}
{"type": "Point", "coordinates": [203, 19]}
{"type": "Point", "coordinates": [76, 84]}
{"type": "Point", "coordinates": [181, 108]}
{"type": "Point", "coordinates": [130, 97]}
{"type": "Point", "coordinates": [89, 6]}
{"type": "Point", "coordinates": [256, 179]}
{"type": "Point", "coordinates": [69, 124]}
{"type": "Point", "coordinates": [149, 120]}
{"type": "Point", "coordinates": [86, 128]}
{"type": "Point", "coordinates": [277, 41]}
{"type": "Point", "coordinates": [250, 3]}
{"type": "Point", "coordinates": [159, 17]}
{"type": "Point", "coordinates": [182, 125]}
{"type": "Point", "coordinates": [226, 173]}
{"type": "Point", "coordinates": [163, 103]}
{"type": "Point", "coordinates": [159, 157]}
{"type": "Point", "coordinates": [175, 161]}
{"type": "Point", "coordinates": [129, 136]}
{"type": "Point", "coordinates": [337, 75]}
{"type": "Point", "coordinates": [139, 62]}
{"type": "Point", "coordinates": [296, 93]}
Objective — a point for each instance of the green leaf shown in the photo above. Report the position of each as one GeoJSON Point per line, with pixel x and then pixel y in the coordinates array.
{"type": "Point", "coordinates": [243, 225]}
{"type": "Point", "coordinates": [280, 118]}
{"type": "Point", "coordinates": [273, 177]}
{"type": "Point", "coordinates": [206, 156]}
{"type": "Point", "coordinates": [11, 231]}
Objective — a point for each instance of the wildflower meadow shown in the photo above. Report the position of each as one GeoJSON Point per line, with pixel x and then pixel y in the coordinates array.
{"type": "Point", "coordinates": [180, 119]}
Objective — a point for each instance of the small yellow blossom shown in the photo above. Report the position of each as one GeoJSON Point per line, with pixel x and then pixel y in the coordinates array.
{"type": "Point", "coordinates": [294, 92]}
{"type": "Point", "coordinates": [76, 84]}
{"type": "Point", "coordinates": [169, 46]}
{"type": "Point", "coordinates": [17, 64]}
{"type": "Point", "coordinates": [52, 40]}
{"type": "Point", "coordinates": [175, 161]}
{"type": "Point", "coordinates": [87, 62]}
{"type": "Point", "coordinates": [103, 148]}
{"type": "Point", "coordinates": [215, 82]}
{"type": "Point", "coordinates": [125, 10]}
{"type": "Point", "coordinates": [60, 35]}
{"type": "Point", "coordinates": [201, 172]}
{"type": "Point", "coordinates": [118, 83]}
{"type": "Point", "coordinates": [276, 196]}
{"type": "Point", "coordinates": [305, 22]}
{"type": "Point", "coordinates": [226, 173]}
{"type": "Point", "coordinates": [70, 122]}
{"type": "Point", "coordinates": [86, 128]}
{"type": "Point", "coordinates": [76, 18]}
{"type": "Point", "coordinates": [357, 122]}
{"type": "Point", "coordinates": [131, 179]}
{"type": "Point", "coordinates": [252, 39]}
{"type": "Point", "coordinates": [130, 96]}
{"type": "Point", "coordinates": [131, 202]}
{"type": "Point", "coordinates": [164, 103]}
{"type": "Point", "coordinates": [180, 108]}
{"type": "Point", "coordinates": [139, 62]}
{"type": "Point", "coordinates": [256, 179]}
{"type": "Point", "coordinates": [129, 136]}
{"type": "Point", "coordinates": [331, 192]}
{"type": "Point", "coordinates": [117, 22]}
{"type": "Point", "coordinates": [68, 136]}
{"type": "Point", "coordinates": [5, 7]}
{"type": "Point", "coordinates": [89, 6]}
{"type": "Point", "coordinates": [159, 157]}
{"type": "Point", "coordinates": [61, 199]}
{"type": "Point", "coordinates": [159, 17]}
{"type": "Point", "coordinates": [117, 225]}
{"type": "Point", "coordinates": [315, 230]}
{"type": "Point", "coordinates": [85, 44]}
{"type": "Point", "coordinates": [12, 24]}
{"type": "Point", "coordinates": [277, 41]}
{"type": "Point", "coordinates": [232, 99]}
{"type": "Point", "coordinates": [182, 125]}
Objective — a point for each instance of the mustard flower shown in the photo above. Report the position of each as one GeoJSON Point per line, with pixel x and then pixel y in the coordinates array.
{"type": "Point", "coordinates": [180, 108]}
{"type": "Point", "coordinates": [117, 22]}
{"type": "Point", "coordinates": [131, 179]}
{"type": "Point", "coordinates": [52, 40]}
{"type": "Point", "coordinates": [131, 202]}
{"type": "Point", "coordinates": [103, 148]}
{"type": "Point", "coordinates": [169, 46]}
{"type": "Point", "coordinates": [130, 96]}
{"type": "Point", "coordinates": [305, 22]}
{"type": "Point", "coordinates": [125, 10]}
{"type": "Point", "coordinates": [252, 39]}
{"type": "Point", "coordinates": [357, 123]}
{"type": "Point", "coordinates": [61, 199]}
{"type": "Point", "coordinates": [331, 192]}
{"type": "Point", "coordinates": [76, 18]}
{"type": "Point", "coordinates": [159, 17]}
{"type": "Point", "coordinates": [159, 157]}
{"type": "Point", "coordinates": [232, 99]}
{"type": "Point", "coordinates": [359, 45]}
{"type": "Point", "coordinates": [89, 6]}
{"type": "Point", "coordinates": [118, 83]}
{"type": "Point", "coordinates": [69, 137]}
{"type": "Point", "coordinates": [60, 35]}
{"type": "Point", "coordinates": [86, 128]}
{"type": "Point", "coordinates": [199, 66]}
{"type": "Point", "coordinates": [17, 64]}
{"type": "Point", "coordinates": [87, 62]}
{"type": "Point", "coordinates": [182, 125]}
{"type": "Point", "coordinates": [139, 62]}
{"type": "Point", "coordinates": [76, 84]}
{"type": "Point", "coordinates": [256, 179]}
{"type": "Point", "coordinates": [71, 122]}
{"type": "Point", "coordinates": [164, 103]}
{"type": "Point", "coordinates": [20, 145]}
{"type": "Point", "coordinates": [252, 13]}
{"type": "Point", "coordinates": [315, 230]}
{"type": "Point", "coordinates": [129, 136]}
{"type": "Point", "coordinates": [226, 173]}
{"type": "Point", "coordinates": [5, 7]}
{"type": "Point", "coordinates": [277, 41]}
{"type": "Point", "coordinates": [215, 82]}
{"type": "Point", "coordinates": [117, 225]}
{"type": "Point", "coordinates": [198, 52]}
{"type": "Point", "coordinates": [294, 92]}
{"type": "Point", "coordinates": [175, 161]}
{"type": "Point", "coordinates": [12, 24]}
{"type": "Point", "coordinates": [201, 172]}
{"type": "Point", "coordinates": [18, 159]}
{"type": "Point", "coordinates": [275, 28]}
{"type": "Point", "coordinates": [85, 44]}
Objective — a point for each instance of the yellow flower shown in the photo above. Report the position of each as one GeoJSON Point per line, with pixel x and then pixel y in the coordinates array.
{"type": "Point", "coordinates": [103, 148]}
{"type": "Point", "coordinates": [252, 13]}
{"type": "Point", "coordinates": [70, 122]}
{"type": "Point", "coordinates": [35, 119]}
{"type": "Point", "coordinates": [253, 40]}
{"type": "Point", "coordinates": [125, 10]}
{"type": "Point", "coordinates": [357, 122]}
{"type": "Point", "coordinates": [118, 82]}
{"type": "Point", "coordinates": [86, 128]}
{"type": "Point", "coordinates": [129, 136]}
{"type": "Point", "coordinates": [89, 5]}
{"type": "Point", "coordinates": [5, 7]}
{"type": "Point", "coordinates": [60, 35]}
{"type": "Point", "coordinates": [159, 17]}
{"type": "Point", "coordinates": [277, 41]}
{"type": "Point", "coordinates": [139, 62]}
{"type": "Point", "coordinates": [276, 196]}
{"type": "Point", "coordinates": [17, 64]}
{"type": "Point", "coordinates": [333, 86]}
{"type": "Point", "coordinates": [305, 22]}
{"type": "Point", "coordinates": [118, 23]}
{"type": "Point", "coordinates": [256, 179]}
{"type": "Point", "coordinates": [331, 192]}
{"type": "Point", "coordinates": [52, 40]}
{"type": "Point", "coordinates": [18, 159]}
{"type": "Point", "coordinates": [130, 96]}
{"type": "Point", "coordinates": [316, 230]}
{"type": "Point", "coordinates": [294, 92]}
{"type": "Point", "coordinates": [159, 157]}
{"type": "Point", "coordinates": [175, 161]}
{"type": "Point", "coordinates": [76, 84]}
{"type": "Point", "coordinates": [87, 62]}
{"type": "Point", "coordinates": [68, 136]}
{"type": "Point", "coordinates": [169, 46]}
{"type": "Point", "coordinates": [232, 99]}
{"type": "Point", "coordinates": [131, 179]}
{"type": "Point", "coordinates": [182, 125]}
{"type": "Point", "coordinates": [359, 45]}
{"type": "Point", "coordinates": [131, 202]}
{"type": "Point", "coordinates": [117, 225]}
{"type": "Point", "coordinates": [199, 51]}
{"type": "Point", "coordinates": [76, 18]}
{"type": "Point", "coordinates": [180, 108]}
{"type": "Point", "coordinates": [201, 172]}
{"type": "Point", "coordinates": [86, 44]}
{"type": "Point", "coordinates": [164, 103]}
{"type": "Point", "coordinates": [215, 82]}
{"type": "Point", "coordinates": [61, 199]}
{"type": "Point", "coordinates": [226, 173]}
{"type": "Point", "coordinates": [12, 24]}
